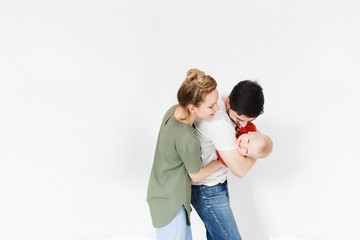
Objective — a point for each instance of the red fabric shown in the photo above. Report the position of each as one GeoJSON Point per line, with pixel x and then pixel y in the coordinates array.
{"type": "Point", "coordinates": [250, 127]}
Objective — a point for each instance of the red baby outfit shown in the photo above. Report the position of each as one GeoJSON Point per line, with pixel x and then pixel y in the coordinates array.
{"type": "Point", "coordinates": [250, 127]}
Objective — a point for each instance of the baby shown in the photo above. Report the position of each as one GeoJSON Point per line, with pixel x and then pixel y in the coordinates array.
{"type": "Point", "coordinates": [252, 143]}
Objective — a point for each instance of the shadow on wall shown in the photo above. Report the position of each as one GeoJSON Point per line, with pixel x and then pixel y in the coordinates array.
{"type": "Point", "coordinates": [288, 238]}
{"type": "Point", "coordinates": [137, 152]}
{"type": "Point", "coordinates": [125, 238]}
{"type": "Point", "coordinates": [291, 147]}
{"type": "Point", "coordinates": [247, 194]}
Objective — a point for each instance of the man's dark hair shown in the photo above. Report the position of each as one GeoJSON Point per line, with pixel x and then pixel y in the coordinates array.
{"type": "Point", "coordinates": [247, 99]}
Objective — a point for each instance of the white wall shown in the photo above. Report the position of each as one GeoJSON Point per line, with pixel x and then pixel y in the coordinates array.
{"type": "Point", "coordinates": [84, 85]}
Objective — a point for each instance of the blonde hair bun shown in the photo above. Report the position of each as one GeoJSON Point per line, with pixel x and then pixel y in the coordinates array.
{"type": "Point", "coordinates": [193, 74]}
{"type": "Point", "coordinates": [195, 87]}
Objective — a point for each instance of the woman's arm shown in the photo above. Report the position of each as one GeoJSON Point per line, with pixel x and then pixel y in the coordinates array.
{"type": "Point", "coordinates": [205, 171]}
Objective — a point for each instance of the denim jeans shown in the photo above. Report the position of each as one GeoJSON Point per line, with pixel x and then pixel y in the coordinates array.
{"type": "Point", "coordinates": [213, 206]}
{"type": "Point", "coordinates": [177, 229]}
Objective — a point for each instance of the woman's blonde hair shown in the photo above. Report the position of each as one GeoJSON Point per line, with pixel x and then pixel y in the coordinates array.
{"type": "Point", "coordinates": [194, 88]}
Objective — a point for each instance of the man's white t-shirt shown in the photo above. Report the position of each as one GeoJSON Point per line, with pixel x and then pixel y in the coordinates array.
{"type": "Point", "coordinates": [215, 134]}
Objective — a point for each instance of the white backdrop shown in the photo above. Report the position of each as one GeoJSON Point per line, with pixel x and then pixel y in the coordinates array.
{"type": "Point", "coordinates": [84, 85]}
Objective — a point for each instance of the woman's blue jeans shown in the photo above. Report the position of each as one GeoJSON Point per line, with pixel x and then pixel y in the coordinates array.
{"type": "Point", "coordinates": [213, 206]}
{"type": "Point", "coordinates": [176, 229]}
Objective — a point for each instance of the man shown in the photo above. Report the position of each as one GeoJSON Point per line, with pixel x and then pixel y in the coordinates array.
{"type": "Point", "coordinates": [210, 196]}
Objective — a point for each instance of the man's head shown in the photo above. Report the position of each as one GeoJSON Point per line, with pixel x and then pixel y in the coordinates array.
{"type": "Point", "coordinates": [246, 102]}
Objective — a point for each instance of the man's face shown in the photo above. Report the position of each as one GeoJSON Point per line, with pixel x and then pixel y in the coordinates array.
{"type": "Point", "coordinates": [239, 120]}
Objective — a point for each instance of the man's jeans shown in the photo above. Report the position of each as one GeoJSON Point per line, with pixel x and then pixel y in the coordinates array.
{"type": "Point", "coordinates": [213, 206]}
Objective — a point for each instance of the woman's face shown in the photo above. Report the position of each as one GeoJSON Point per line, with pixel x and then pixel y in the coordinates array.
{"type": "Point", "coordinates": [207, 109]}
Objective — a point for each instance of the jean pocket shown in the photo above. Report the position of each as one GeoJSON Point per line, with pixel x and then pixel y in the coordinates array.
{"type": "Point", "coordinates": [217, 195]}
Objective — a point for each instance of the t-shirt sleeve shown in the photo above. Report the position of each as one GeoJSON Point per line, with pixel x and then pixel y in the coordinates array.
{"type": "Point", "coordinates": [189, 151]}
{"type": "Point", "coordinates": [222, 135]}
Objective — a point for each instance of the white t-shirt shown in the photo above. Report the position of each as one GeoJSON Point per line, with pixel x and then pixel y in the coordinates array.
{"type": "Point", "coordinates": [215, 134]}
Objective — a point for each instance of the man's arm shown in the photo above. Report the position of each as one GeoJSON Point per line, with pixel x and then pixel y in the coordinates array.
{"type": "Point", "coordinates": [238, 164]}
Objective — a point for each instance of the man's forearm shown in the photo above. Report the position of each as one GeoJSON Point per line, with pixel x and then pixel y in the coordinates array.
{"type": "Point", "coordinates": [238, 164]}
{"type": "Point", "coordinates": [242, 166]}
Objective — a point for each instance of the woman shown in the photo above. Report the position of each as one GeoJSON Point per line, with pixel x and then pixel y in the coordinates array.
{"type": "Point", "coordinates": [177, 158]}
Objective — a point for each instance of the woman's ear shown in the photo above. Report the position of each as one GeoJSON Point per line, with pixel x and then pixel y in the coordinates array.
{"type": "Point", "coordinates": [191, 108]}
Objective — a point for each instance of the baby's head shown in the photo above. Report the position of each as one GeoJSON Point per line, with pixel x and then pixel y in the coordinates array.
{"type": "Point", "coordinates": [254, 145]}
